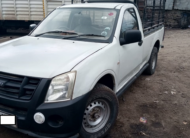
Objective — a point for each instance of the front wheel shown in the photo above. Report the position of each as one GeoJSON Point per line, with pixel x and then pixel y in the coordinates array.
{"type": "Point", "coordinates": [100, 113]}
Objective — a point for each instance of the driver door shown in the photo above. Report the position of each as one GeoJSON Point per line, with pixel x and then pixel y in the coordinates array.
{"type": "Point", "coordinates": [130, 54]}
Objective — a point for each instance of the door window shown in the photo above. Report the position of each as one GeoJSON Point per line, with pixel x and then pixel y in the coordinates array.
{"type": "Point", "coordinates": [129, 22]}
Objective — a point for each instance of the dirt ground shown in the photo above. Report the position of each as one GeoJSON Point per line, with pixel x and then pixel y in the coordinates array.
{"type": "Point", "coordinates": [163, 99]}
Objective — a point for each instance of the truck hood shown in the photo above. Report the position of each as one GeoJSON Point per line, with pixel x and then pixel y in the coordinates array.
{"type": "Point", "coordinates": [44, 57]}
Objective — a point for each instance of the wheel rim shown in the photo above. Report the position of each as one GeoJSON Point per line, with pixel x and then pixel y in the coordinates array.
{"type": "Point", "coordinates": [154, 63]}
{"type": "Point", "coordinates": [96, 116]}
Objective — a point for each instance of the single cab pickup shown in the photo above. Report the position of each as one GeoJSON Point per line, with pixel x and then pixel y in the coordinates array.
{"type": "Point", "coordinates": [64, 78]}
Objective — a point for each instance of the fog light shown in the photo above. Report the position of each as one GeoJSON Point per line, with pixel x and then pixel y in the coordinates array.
{"type": "Point", "coordinates": [39, 118]}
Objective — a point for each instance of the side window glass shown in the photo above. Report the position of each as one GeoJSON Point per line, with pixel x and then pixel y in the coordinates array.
{"type": "Point", "coordinates": [129, 21]}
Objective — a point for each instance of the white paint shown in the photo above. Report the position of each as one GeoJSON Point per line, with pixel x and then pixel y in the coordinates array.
{"type": "Point", "coordinates": [106, 60]}
{"type": "Point", "coordinates": [43, 57]}
{"type": "Point", "coordinates": [47, 58]}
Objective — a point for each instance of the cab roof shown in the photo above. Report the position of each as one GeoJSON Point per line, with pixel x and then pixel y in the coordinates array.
{"type": "Point", "coordinates": [97, 5]}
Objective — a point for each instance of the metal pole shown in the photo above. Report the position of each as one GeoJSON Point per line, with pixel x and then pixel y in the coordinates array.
{"type": "Point", "coordinates": [145, 15]}
{"type": "Point", "coordinates": [153, 13]}
{"type": "Point", "coordinates": [160, 11]}
{"type": "Point", "coordinates": [164, 2]}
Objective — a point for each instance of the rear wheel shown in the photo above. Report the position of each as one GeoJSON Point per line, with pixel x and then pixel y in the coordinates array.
{"type": "Point", "coordinates": [152, 62]}
{"type": "Point", "coordinates": [100, 113]}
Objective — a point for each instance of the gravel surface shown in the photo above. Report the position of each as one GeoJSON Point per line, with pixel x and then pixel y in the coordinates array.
{"type": "Point", "coordinates": [162, 99]}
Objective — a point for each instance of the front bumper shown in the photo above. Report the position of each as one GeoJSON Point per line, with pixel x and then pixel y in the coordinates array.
{"type": "Point", "coordinates": [63, 119]}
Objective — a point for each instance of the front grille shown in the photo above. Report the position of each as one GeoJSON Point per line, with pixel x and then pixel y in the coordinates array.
{"type": "Point", "coordinates": [10, 109]}
{"type": "Point", "coordinates": [16, 86]}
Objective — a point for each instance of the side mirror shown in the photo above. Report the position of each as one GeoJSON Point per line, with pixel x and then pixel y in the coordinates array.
{"type": "Point", "coordinates": [32, 26]}
{"type": "Point", "coordinates": [131, 36]}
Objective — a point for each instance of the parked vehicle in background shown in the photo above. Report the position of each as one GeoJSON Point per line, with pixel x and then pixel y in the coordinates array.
{"type": "Point", "coordinates": [21, 13]}
{"type": "Point", "coordinates": [65, 77]}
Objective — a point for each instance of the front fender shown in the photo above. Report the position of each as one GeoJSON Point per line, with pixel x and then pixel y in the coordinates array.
{"type": "Point", "coordinates": [89, 71]}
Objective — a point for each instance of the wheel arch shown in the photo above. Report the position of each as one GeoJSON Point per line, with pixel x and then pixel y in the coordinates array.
{"type": "Point", "coordinates": [107, 78]}
{"type": "Point", "coordinates": [157, 45]}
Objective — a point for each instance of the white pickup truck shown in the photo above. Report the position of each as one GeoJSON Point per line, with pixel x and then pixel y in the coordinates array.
{"type": "Point", "coordinates": [64, 78]}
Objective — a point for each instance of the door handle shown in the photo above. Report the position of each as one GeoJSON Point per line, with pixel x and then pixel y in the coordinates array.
{"type": "Point", "coordinates": [140, 43]}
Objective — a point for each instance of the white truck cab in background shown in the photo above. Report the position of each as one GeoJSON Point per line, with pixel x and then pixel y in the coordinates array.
{"type": "Point", "coordinates": [63, 79]}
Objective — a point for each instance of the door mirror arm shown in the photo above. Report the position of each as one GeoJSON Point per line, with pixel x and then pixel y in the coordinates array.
{"type": "Point", "coordinates": [122, 41]}
{"type": "Point", "coordinates": [140, 43]}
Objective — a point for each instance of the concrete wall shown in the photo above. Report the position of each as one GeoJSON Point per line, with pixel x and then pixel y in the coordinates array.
{"type": "Point", "coordinates": [174, 10]}
{"type": "Point", "coordinates": [174, 19]}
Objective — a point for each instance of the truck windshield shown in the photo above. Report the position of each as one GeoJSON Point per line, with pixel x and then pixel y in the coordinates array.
{"type": "Point", "coordinates": [68, 22]}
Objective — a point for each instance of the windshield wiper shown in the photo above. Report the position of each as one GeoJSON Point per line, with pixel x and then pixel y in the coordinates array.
{"type": "Point", "coordinates": [56, 31]}
{"type": "Point", "coordinates": [95, 35]}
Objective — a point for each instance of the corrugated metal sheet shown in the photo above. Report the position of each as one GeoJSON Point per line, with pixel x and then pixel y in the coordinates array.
{"type": "Point", "coordinates": [52, 4]}
{"type": "Point", "coordinates": [36, 9]}
{"type": "Point", "coordinates": [21, 9]}
{"type": "Point", "coordinates": [7, 9]}
{"type": "Point", "coordinates": [169, 4]}
{"type": "Point", "coordinates": [182, 5]}
{"type": "Point", "coordinates": [29, 9]}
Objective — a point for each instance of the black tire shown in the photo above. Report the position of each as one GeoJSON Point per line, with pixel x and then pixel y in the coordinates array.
{"type": "Point", "coordinates": [100, 92]}
{"type": "Point", "coordinates": [152, 62]}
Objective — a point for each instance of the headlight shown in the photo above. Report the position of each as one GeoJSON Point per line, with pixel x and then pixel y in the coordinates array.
{"type": "Point", "coordinates": [61, 88]}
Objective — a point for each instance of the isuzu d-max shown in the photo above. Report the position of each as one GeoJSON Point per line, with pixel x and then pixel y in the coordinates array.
{"type": "Point", "coordinates": [64, 78]}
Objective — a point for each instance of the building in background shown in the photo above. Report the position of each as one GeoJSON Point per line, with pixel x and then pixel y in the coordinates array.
{"type": "Point", "coordinates": [177, 13]}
